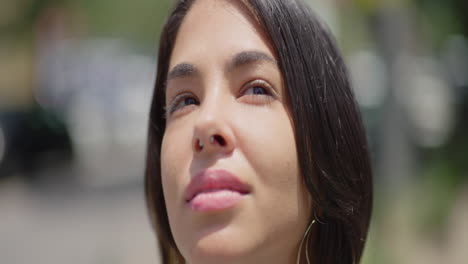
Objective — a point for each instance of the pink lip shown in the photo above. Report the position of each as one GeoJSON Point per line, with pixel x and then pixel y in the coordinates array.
{"type": "Point", "coordinates": [212, 190]}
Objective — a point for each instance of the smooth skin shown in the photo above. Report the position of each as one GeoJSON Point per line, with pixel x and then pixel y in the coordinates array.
{"type": "Point", "coordinates": [224, 80]}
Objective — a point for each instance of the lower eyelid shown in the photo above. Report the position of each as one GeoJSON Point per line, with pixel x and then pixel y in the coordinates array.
{"type": "Point", "coordinates": [252, 99]}
{"type": "Point", "coordinates": [179, 111]}
{"type": "Point", "coordinates": [171, 108]}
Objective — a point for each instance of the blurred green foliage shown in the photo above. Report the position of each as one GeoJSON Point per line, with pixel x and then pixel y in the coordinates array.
{"type": "Point", "coordinates": [138, 21]}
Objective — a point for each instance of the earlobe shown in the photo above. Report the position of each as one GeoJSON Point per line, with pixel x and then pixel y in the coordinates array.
{"type": "Point", "coordinates": [317, 218]}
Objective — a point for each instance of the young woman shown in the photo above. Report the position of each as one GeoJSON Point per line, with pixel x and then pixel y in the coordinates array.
{"type": "Point", "coordinates": [256, 151]}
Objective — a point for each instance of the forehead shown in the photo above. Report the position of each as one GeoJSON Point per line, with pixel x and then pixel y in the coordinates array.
{"type": "Point", "coordinates": [217, 29]}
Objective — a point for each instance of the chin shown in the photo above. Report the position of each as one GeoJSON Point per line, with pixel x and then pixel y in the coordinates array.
{"type": "Point", "coordinates": [219, 247]}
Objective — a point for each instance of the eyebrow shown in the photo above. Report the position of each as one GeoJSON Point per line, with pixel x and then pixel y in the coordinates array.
{"type": "Point", "coordinates": [182, 70]}
{"type": "Point", "coordinates": [240, 59]}
{"type": "Point", "coordinates": [249, 57]}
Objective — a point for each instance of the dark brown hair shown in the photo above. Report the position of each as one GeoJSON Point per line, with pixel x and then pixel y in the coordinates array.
{"type": "Point", "coordinates": [330, 139]}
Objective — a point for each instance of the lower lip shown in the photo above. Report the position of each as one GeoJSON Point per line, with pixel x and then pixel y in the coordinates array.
{"type": "Point", "coordinates": [215, 200]}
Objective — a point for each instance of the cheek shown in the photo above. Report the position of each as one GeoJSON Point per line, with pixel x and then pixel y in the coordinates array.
{"type": "Point", "coordinates": [268, 145]}
{"type": "Point", "coordinates": [271, 149]}
{"type": "Point", "coordinates": [168, 170]}
{"type": "Point", "coordinates": [174, 159]}
{"type": "Point", "coordinates": [280, 195]}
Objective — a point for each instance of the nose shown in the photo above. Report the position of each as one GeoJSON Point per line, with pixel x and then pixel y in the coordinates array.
{"type": "Point", "coordinates": [212, 133]}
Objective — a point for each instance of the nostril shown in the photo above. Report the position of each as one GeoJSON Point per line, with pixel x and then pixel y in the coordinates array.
{"type": "Point", "coordinates": [198, 145]}
{"type": "Point", "coordinates": [220, 140]}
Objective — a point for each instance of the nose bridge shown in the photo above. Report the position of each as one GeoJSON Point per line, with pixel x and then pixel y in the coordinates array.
{"type": "Point", "coordinates": [212, 132]}
{"type": "Point", "coordinates": [213, 105]}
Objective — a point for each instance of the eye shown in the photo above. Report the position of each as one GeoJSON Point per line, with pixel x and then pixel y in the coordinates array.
{"type": "Point", "coordinates": [182, 101]}
{"type": "Point", "coordinates": [257, 92]}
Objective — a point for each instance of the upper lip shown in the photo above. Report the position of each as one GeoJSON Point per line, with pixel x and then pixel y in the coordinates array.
{"type": "Point", "coordinates": [210, 180]}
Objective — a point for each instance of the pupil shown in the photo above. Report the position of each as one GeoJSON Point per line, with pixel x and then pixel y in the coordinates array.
{"type": "Point", "coordinates": [189, 101]}
{"type": "Point", "coordinates": [258, 90]}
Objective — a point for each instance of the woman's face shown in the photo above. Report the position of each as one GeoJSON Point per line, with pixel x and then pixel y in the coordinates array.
{"type": "Point", "coordinates": [229, 164]}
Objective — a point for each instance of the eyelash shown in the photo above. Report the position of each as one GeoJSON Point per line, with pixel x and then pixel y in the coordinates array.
{"type": "Point", "coordinates": [173, 106]}
{"type": "Point", "coordinates": [257, 99]}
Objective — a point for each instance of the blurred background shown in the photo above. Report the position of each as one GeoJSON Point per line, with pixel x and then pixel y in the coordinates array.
{"type": "Point", "coordinates": [75, 86]}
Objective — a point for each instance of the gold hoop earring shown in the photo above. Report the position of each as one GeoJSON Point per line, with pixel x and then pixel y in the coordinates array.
{"type": "Point", "coordinates": [307, 244]}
